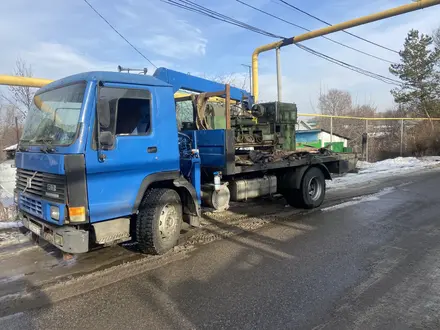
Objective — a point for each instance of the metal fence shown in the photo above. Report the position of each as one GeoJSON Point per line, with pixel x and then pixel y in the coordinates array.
{"type": "Point", "coordinates": [373, 139]}
{"type": "Point", "coordinates": [381, 138]}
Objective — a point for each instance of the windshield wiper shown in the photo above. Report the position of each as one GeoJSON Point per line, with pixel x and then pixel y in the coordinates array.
{"type": "Point", "coordinates": [22, 148]}
{"type": "Point", "coordinates": [47, 142]}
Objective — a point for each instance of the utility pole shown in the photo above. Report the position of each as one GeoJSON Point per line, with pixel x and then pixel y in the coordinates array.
{"type": "Point", "coordinates": [250, 76]}
{"type": "Point", "coordinates": [279, 77]}
{"type": "Point", "coordinates": [366, 144]}
{"type": "Point", "coordinates": [16, 130]}
{"type": "Point", "coordinates": [406, 8]}
{"type": "Point", "coordinates": [401, 137]}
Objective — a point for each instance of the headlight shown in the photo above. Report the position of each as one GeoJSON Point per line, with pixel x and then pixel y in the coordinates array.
{"type": "Point", "coordinates": [55, 212]}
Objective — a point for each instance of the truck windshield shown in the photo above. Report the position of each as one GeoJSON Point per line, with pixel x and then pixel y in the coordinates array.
{"type": "Point", "coordinates": [53, 116]}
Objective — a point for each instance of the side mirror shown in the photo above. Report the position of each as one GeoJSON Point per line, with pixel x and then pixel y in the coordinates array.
{"type": "Point", "coordinates": [107, 139]}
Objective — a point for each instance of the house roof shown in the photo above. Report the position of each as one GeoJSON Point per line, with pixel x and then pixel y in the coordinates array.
{"type": "Point", "coordinates": [10, 148]}
{"type": "Point", "coordinates": [305, 124]}
{"type": "Point", "coordinates": [335, 134]}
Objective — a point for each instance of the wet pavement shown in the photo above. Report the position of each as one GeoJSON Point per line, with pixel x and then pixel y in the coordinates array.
{"type": "Point", "coordinates": [365, 262]}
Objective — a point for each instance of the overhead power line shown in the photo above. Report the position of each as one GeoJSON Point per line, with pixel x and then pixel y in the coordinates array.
{"type": "Point", "coordinates": [329, 24]}
{"type": "Point", "coordinates": [191, 6]}
{"type": "Point", "coordinates": [305, 29]}
{"type": "Point", "coordinates": [351, 67]}
{"type": "Point", "coordinates": [194, 7]}
{"type": "Point", "coordinates": [114, 29]}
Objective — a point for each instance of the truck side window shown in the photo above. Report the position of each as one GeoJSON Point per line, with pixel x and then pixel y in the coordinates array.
{"type": "Point", "coordinates": [185, 114]}
{"type": "Point", "coordinates": [124, 111]}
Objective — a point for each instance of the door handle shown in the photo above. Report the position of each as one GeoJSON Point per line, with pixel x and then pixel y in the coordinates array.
{"type": "Point", "coordinates": [152, 150]}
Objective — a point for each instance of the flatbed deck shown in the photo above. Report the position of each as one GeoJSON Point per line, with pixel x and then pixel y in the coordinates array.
{"type": "Point", "coordinates": [333, 162]}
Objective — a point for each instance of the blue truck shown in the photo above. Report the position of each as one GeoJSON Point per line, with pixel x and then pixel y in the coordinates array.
{"type": "Point", "coordinates": [105, 158]}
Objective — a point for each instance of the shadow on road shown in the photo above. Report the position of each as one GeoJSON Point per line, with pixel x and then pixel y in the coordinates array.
{"type": "Point", "coordinates": [298, 274]}
{"type": "Point", "coordinates": [14, 308]}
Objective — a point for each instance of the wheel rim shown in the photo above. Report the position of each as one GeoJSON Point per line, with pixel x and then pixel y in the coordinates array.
{"type": "Point", "coordinates": [314, 188]}
{"type": "Point", "coordinates": [168, 221]}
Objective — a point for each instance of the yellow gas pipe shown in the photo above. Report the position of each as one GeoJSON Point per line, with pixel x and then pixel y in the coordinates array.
{"type": "Point", "coordinates": [40, 82]}
{"type": "Point", "coordinates": [419, 4]}
{"type": "Point", "coordinates": [23, 81]}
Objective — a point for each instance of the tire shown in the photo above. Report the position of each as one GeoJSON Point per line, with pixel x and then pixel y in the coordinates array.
{"type": "Point", "coordinates": [311, 193]}
{"type": "Point", "coordinates": [293, 198]}
{"type": "Point", "coordinates": [159, 221]}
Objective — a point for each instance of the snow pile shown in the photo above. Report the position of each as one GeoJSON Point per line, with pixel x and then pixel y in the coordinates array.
{"type": "Point", "coordinates": [357, 200]}
{"type": "Point", "coordinates": [397, 164]}
{"type": "Point", "coordinates": [9, 225]}
{"type": "Point", "coordinates": [7, 176]}
{"type": "Point", "coordinates": [7, 183]}
{"type": "Point", "coordinates": [368, 172]}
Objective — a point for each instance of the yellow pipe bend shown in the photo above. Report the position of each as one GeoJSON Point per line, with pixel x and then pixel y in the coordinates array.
{"type": "Point", "coordinates": [419, 4]}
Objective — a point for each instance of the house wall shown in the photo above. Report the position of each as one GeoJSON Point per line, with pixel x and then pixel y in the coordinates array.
{"type": "Point", "coordinates": [319, 139]}
{"type": "Point", "coordinates": [326, 138]}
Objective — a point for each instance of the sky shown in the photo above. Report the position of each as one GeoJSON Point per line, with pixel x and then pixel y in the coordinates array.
{"type": "Point", "coordinates": [59, 38]}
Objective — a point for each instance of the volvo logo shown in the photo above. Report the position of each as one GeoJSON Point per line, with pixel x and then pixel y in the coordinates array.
{"type": "Point", "coordinates": [29, 183]}
{"type": "Point", "coordinates": [51, 187]}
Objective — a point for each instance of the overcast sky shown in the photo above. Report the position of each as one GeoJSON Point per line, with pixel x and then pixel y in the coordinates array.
{"type": "Point", "coordinates": [59, 38]}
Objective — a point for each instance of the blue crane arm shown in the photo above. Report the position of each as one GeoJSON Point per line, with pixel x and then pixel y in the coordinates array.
{"type": "Point", "coordinates": [187, 82]}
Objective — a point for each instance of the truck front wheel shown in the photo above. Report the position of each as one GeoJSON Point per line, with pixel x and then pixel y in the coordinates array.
{"type": "Point", "coordinates": [159, 221]}
{"type": "Point", "coordinates": [311, 193]}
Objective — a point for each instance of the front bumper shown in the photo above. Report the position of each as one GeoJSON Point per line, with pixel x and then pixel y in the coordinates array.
{"type": "Point", "coordinates": [66, 238]}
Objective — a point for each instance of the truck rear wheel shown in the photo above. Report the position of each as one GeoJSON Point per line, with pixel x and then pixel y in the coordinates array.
{"type": "Point", "coordinates": [311, 193]}
{"type": "Point", "coordinates": [159, 221]}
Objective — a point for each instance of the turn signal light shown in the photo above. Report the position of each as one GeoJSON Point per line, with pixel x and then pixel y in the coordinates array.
{"type": "Point", "coordinates": [77, 214]}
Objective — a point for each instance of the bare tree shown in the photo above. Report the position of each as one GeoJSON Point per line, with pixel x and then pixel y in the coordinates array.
{"type": "Point", "coordinates": [15, 104]}
{"type": "Point", "coordinates": [335, 102]}
{"type": "Point", "coordinates": [21, 97]}
{"type": "Point", "coordinates": [238, 80]}
{"type": "Point", "coordinates": [340, 103]}
{"type": "Point", "coordinates": [8, 129]}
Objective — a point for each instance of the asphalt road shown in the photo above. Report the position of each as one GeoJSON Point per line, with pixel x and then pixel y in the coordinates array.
{"type": "Point", "coordinates": [370, 263]}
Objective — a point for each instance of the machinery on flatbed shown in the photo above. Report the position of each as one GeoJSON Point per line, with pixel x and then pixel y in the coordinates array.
{"type": "Point", "coordinates": [108, 157]}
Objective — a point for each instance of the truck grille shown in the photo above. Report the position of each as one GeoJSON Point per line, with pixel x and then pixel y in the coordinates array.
{"type": "Point", "coordinates": [31, 206]}
{"type": "Point", "coordinates": [51, 187]}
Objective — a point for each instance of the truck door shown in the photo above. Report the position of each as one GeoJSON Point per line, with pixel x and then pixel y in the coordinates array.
{"type": "Point", "coordinates": [137, 140]}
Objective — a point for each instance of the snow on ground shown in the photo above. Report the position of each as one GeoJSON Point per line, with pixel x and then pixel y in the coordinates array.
{"type": "Point", "coordinates": [7, 176]}
{"type": "Point", "coordinates": [390, 167]}
{"type": "Point", "coordinates": [9, 225]}
{"type": "Point", "coordinates": [7, 183]}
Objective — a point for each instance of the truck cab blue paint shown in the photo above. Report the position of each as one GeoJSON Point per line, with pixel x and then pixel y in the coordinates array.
{"type": "Point", "coordinates": [113, 184]}
{"type": "Point", "coordinates": [42, 162]}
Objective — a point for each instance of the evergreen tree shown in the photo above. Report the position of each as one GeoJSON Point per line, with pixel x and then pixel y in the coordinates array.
{"type": "Point", "coordinates": [418, 70]}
